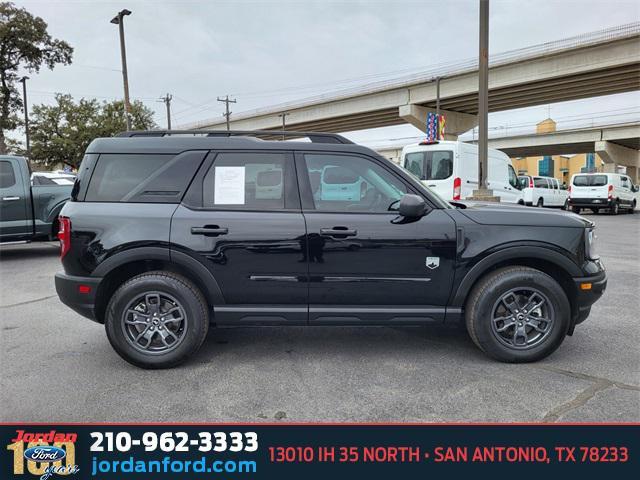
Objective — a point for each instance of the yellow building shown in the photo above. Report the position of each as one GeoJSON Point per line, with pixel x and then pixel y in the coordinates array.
{"type": "Point", "coordinates": [561, 167]}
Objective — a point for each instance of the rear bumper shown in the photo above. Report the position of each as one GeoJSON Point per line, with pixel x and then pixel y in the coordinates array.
{"type": "Point", "coordinates": [590, 202]}
{"type": "Point", "coordinates": [69, 292]}
{"type": "Point", "coordinates": [586, 298]}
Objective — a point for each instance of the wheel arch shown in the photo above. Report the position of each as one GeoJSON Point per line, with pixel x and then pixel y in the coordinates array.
{"type": "Point", "coordinates": [551, 262]}
{"type": "Point", "coordinates": [125, 265]}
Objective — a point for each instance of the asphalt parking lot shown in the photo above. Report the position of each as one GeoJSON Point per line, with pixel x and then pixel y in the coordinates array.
{"type": "Point", "coordinates": [58, 366]}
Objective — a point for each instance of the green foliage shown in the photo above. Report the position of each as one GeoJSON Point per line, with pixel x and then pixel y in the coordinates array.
{"type": "Point", "coordinates": [60, 133]}
{"type": "Point", "coordinates": [24, 44]}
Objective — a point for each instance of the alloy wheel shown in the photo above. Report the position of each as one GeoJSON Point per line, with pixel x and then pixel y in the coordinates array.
{"type": "Point", "coordinates": [154, 323]}
{"type": "Point", "coordinates": [522, 318]}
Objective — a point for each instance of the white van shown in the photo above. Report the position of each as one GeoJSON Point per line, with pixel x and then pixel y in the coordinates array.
{"type": "Point", "coordinates": [612, 191]}
{"type": "Point", "coordinates": [543, 191]}
{"type": "Point", "coordinates": [451, 170]}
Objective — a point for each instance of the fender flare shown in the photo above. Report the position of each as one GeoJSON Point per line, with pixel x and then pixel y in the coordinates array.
{"type": "Point", "coordinates": [207, 281]}
{"type": "Point", "coordinates": [511, 253]}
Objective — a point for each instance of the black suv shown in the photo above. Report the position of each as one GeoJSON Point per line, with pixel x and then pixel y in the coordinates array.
{"type": "Point", "coordinates": [169, 232]}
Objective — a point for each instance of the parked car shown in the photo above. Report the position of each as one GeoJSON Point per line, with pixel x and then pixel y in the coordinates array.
{"type": "Point", "coordinates": [28, 212]}
{"type": "Point", "coordinates": [52, 178]}
{"type": "Point", "coordinates": [543, 191]}
{"type": "Point", "coordinates": [161, 243]}
{"type": "Point", "coordinates": [596, 191]}
{"type": "Point", "coordinates": [451, 170]}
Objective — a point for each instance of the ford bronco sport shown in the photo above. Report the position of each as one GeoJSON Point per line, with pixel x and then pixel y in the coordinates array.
{"type": "Point", "coordinates": [169, 232]}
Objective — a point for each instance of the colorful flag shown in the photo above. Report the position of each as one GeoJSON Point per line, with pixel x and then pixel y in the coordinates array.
{"type": "Point", "coordinates": [435, 127]}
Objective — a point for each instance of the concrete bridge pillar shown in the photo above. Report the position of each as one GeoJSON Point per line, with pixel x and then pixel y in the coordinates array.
{"type": "Point", "coordinates": [613, 155]}
{"type": "Point", "coordinates": [456, 123]}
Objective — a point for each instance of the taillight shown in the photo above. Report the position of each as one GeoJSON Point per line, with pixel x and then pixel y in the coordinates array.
{"type": "Point", "coordinates": [530, 182]}
{"type": "Point", "coordinates": [64, 235]}
{"type": "Point", "coordinates": [457, 186]}
{"type": "Point", "coordinates": [610, 191]}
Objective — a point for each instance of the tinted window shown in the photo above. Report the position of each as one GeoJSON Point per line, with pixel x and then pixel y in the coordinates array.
{"type": "Point", "coordinates": [342, 183]}
{"type": "Point", "coordinates": [142, 178]}
{"type": "Point", "coordinates": [540, 182]}
{"type": "Point", "coordinates": [523, 182]}
{"type": "Point", "coordinates": [513, 178]}
{"type": "Point", "coordinates": [251, 181]}
{"type": "Point", "coordinates": [431, 165]}
{"type": "Point", "coordinates": [589, 180]}
{"type": "Point", "coordinates": [7, 175]}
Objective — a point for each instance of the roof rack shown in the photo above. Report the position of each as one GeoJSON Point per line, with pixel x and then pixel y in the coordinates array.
{"type": "Point", "coordinates": [315, 137]}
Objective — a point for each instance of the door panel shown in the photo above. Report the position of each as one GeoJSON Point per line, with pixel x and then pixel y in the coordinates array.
{"type": "Point", "coordinates": [384, 272]}
{"type": "Point", "coordinates": [14, 221]}
{"type": "Point", "coordinates": [247, 228]}
{"type": "Point", "coordinates": [367, 265]}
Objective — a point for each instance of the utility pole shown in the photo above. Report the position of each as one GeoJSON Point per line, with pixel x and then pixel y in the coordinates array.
{"type": "Point", "coordinates": [483, 193]}
{"type": "Point", "coordinates": [167, 101]}
{"type": "Point", "coordinates": [227, 113]}
{"type": "Point", "coordinates": [438, 108]}
{"type": "Point", "coordinates": [23, 80]}
{"type": "Point", "coordinates": [119, 20]}
{"type": "Point", "coordinates": [284, 123]}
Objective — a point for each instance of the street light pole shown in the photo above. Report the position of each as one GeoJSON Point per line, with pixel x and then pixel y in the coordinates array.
{"type": "Point", "coordinates": [119, 20]}
{"type": "Point", "coordinates": [23, 80]}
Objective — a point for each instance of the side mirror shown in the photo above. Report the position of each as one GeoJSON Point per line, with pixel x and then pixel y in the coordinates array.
{"type": "Point", "coordinates": [636, 188]}
{"type": "Point", "coordinates": [412, 206]}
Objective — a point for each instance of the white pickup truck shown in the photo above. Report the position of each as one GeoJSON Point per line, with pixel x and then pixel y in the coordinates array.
{"type": "Point", "coordinates": [543, 191]}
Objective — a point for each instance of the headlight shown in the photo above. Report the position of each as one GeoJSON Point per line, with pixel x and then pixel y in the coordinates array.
{"type": "Point", "coordinates": [589, 244]}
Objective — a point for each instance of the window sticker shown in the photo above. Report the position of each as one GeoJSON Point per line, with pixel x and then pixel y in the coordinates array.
{"type": "Point", "coordinates": [229, 186]}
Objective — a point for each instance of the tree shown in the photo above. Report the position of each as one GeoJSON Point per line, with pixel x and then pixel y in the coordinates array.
{"type": "Point", "coordinates": [24, 43]}
{"type": "Point", "coordinates": [60, 133]}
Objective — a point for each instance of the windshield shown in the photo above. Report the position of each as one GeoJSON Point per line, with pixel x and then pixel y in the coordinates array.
{"type": "Point", "coordinates": [430, 165]}
{"type": "Point", "coordinates": [590, 180]}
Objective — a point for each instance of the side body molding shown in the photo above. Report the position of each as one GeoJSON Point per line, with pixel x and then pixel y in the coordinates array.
{"type": "Point", "coordinates": [511, 253]}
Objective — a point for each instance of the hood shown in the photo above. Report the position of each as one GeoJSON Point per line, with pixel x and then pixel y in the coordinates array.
{"type": "Point", "coordinates": [508, 214]}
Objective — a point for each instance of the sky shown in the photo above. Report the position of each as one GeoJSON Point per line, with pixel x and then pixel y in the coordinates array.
{"type": "Point", "coordinates": [266, 52]}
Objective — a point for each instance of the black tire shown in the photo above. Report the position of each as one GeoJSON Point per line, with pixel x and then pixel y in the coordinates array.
{"type": "Point", "coordinates": [575, 210]}
{"type": "Point", "coordinates": [632, 210]}
{"type": "Point", "coordinates": [595, 210]}
{"type": "Point", "coordinates": [540, 203]}
{"type": "Point", "coordinates": [487, 293]}
{"type": "Point", "coordinates": [173, 290]}
{"type": "Point", "coordinates": [615, 208]}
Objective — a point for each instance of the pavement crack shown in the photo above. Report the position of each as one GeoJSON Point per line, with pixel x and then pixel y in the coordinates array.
{"type": "Point", "coordinates": [28, 302]}
{"type": "Point", "coordinates": [590, 378]}
{"type": "Point", "coordinates": [582, 398]}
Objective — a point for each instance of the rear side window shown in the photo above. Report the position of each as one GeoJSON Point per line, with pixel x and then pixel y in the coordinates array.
{"type": "Point", "coordinates": [248, 181]}
{"type": "Point", "coordinates": [540, 182]}
{"type": "Point", "coordinates": [7, 175]}
{"type": "Point", "coordinates": [590, 180]}
{"type": "Point", "coordinates": [142, 178]}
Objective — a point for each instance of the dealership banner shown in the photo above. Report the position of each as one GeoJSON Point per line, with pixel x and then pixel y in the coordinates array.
{"type": "Point", "coordinates": [294, 451]}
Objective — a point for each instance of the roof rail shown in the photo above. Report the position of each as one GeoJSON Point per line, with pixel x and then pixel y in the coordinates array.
{"type": "Point", "coordinates": [315, 137]}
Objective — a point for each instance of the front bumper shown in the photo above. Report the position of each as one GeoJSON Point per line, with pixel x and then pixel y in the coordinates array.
{"type": "Point", "coordinates": [81, 300]}
{"type": "Point", "coordinates": [586, 298]}
{"type": "Point", "coordinates": [590, 202]}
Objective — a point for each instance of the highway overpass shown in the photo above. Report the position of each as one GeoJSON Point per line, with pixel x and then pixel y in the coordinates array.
{"type": "Point", "coordinates": [599, 63]}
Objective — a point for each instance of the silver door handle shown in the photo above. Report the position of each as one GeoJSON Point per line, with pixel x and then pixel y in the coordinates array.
{"type": "Point", "coordinates": [10, 199]}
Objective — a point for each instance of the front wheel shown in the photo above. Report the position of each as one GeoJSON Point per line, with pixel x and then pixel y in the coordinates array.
{"type": "Point", "coordinates": [575, 209]}
{"type": "Point", "coordinates": [157, 320]}
{"type": "Point", "coordinates": [540, 203]}
{"type": "Point", "coordinates": [517, 314]}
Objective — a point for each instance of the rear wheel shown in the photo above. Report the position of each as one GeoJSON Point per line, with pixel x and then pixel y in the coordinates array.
{"type": "Point", "coordinates": [157, 320]}
{"type": "Point", "coordinates": [615, 208]}
{"type": "Point", "coordinates": [517, 314]}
